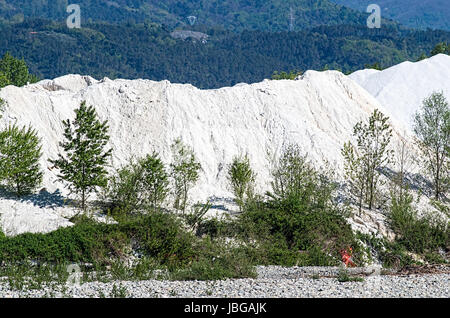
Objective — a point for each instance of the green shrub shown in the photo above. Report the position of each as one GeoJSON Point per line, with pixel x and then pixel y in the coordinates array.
{"type": "Point", "coordinates": [300, 223]}
{"type": "Point", "coordinates": [124, 192]}
{"type": "Point", "coordinates": [155, 179]}
{"type": "Point", "coordinates": [242, 180]}
{"type": "Point", "coordinates": [417, 234]}
{"type": "Point", "coordinates": [215, 261]}
{"type": "Point", "coordinates": [20, 152]}
{"type": "Point", "coordinates": [138, 186]}
{"type": "Point", "coordinates": [158, 236]}
{"type": "Point", "coordinates": [184, 172]}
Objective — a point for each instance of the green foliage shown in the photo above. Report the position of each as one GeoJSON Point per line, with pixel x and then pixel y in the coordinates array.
{"type": "Point", "coordinates": [155, 179]}
{"type": "Point", "coordinates": [417, 234]}
{"type": "Point", "coordinates": [20, 152]}
{"type": "Point", "coordinates": [363, 164]}
{"type": "Point", "coordinates": [297, 184]}
{"type": "Point", "coordinates": [410, 13]}
{"type": "Point", "coordinates": [391, 254]}
{"type": "Point", "coordinates": [441, 48]}
{"type": "Point", "coordinates": [214, 262]}
{"type": "Point", "coordinates": [14, 72]}
{"type": "Point", "coordinates": [269, 15]}
{"type": "Point", "coordinates": [300, 224]}
{"type": "Point", "coordinates": [184, 171]}
{"type": "Point", "coordinates": [138, 185]}
{"type": "Point", "coordinates": [84, 161]}
{"type": "Point", "coordinates": [375, 66]}
{"type": "Point", "coordinates": [242, 180]}
{"type": "Point", "coordinates": [195, 217]}
{"type": "Point", "coordinates": [432, 128]}
{"type": "Point", "coordinates": [2, 105]}
{"type": "Point", "coordinates": [344, 277]}
{"type": "Point", "coordinates": [292, 75]}
{"type": "Point", "coordinates": [122, 51]}
{"type": "Point", "coordinates": [158, 237]}
{"type": "Point", "coordinates": [124, 192]}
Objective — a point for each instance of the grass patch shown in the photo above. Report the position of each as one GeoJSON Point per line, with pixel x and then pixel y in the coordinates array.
{"type": "Point", "coordinates": [344, 277]}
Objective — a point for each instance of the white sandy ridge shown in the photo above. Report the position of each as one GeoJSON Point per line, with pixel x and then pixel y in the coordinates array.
{"type": "Point", "coordinates": [317, 112]}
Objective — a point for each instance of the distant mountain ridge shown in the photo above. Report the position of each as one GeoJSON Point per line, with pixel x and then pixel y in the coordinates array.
{"type": "Point", "coordinates": [227, 58]}
{"type": "Point", "coordinates": [417, 14]}
{"type": "Point", "coordinates": [236, 15]}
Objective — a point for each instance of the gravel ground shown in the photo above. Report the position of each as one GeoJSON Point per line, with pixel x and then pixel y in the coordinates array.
{"type": "Point", "coordinates": [272, 282]}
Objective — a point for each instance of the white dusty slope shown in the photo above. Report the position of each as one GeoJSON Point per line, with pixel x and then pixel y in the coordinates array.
{"type": "Point", "coordinates": [403, 87]}
{"type": "Point", "coordinates": [318, 112]}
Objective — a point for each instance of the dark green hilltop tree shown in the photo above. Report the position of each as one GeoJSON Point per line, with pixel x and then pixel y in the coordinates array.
{"type": "Point", "coordinates": [20, 152]}
{"type": "Point", "coordinates": [14, 72]}
{"type": "Point", "coordinates": [83, 164]}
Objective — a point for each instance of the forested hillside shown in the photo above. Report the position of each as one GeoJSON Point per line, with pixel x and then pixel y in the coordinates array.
{"type": "Point", "coordinates": [422, 14]}
{"type": "Point", "coordinates": [227, 58]}
{"type": "Point", "coordinates": [237, 15]}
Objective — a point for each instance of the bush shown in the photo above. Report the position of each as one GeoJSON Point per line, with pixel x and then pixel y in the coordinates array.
{"type": "Point", "coordinates": [242, 180]}
{"type": "Point", "coordinates": [155, 179]}
{"type": "Point", "coordinates": [214, 261]}
{"type": "Point", "coordinates": [20, 152]}
{"type": "Point", "coordinates": [124, 192]}
{"type": "Point", "coordinates": [157, 235]}
{"type": "Point", "coordinates": [138, 186]}
{"type": "Point", "coordinates": [300, 223]}
{"type": "Point", "coordinates": [185, 173]}
{"type": "Point", "coordinates": [417, 234]}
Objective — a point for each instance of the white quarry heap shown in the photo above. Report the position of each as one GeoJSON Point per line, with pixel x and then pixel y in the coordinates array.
{"type": "Point", "coordinates": [317, 111]}
{"type": "Point", "coordinates": [403, 87]}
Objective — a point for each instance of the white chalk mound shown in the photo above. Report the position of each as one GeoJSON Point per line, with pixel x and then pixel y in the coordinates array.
{"type": "Point", "coordinates": [402, 88]}
{"type": "Point", "coordinates": [317, 111]}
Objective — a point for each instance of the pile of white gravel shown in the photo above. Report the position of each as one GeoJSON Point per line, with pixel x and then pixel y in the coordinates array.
{"type": "Point", "coordinates": [317, 111]}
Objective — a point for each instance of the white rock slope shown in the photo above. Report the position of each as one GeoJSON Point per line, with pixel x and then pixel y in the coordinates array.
{"type": "Point", "coordinates": [317, 111]}
{"type": "Point", "coordinates": [403, 87]}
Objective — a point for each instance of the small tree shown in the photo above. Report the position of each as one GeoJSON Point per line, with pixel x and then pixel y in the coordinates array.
{"type": "Point", "coordinates": [441, 48]}
{"type": "Point", "coordinates": [125, 188]}
{"type": "Point", "coordinates": [20, 152]}
{"type": "Point", "coordinates": [364, 163]}
{"type": "Point", "coordinates": [185, 173]}
{"type": "Point", "coordinates": [355, 173]}
{"type": "Point", "coordinates": [297, 184]}
{"type": "Point", "coordinates": [155, 179]}
{"type": "Point", "coordinates": [242, 179]}
{"type": "Point", "coordinates": [432, 128]}
{"type": "Point", "coordinates": [139, 184]}
{"type": "Point", "coordinates": [14, 72]}
{"type": "Point", "coordinates": [84, 160]}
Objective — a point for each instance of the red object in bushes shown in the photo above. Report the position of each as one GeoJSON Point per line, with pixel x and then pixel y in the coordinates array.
{"type": "Point", "coordinates": [347, 257]}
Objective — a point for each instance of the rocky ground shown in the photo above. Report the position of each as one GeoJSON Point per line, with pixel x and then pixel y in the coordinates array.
{"type": "Point", "coordinates": [272, 282]}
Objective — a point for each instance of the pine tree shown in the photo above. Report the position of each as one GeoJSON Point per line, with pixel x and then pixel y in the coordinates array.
{"type": "Point", "coordinates": [432, 127]}
{"type": "Point", "coordinates": [20, 152]}
{"type": "Point", "coordinates": [83, 164]}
